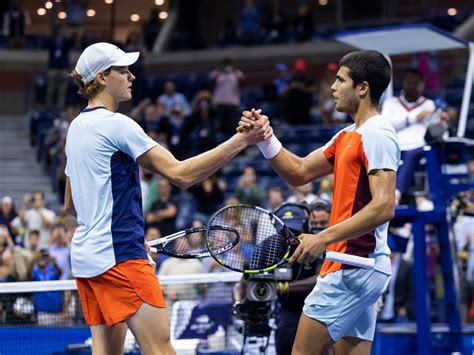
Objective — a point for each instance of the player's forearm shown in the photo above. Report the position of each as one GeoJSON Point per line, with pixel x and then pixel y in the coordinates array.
{"type": "Point", "coordinates": [298, 171]}
{"type": "Point", "coordinates": [366, 220]}
{"type": "Point", "coordinates": [289, 166]}
{"type": "Point", "coordinates": [195, 169]}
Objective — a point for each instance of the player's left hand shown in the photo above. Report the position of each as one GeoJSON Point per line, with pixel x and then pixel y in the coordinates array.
{"type": "Point", "coordinates": [311, 246]}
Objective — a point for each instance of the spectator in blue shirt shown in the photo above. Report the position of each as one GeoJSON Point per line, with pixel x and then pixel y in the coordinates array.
{"type": "Point", "coordinates": [49, 305]}
{"type": "Point", "coordinates": [171, 99]}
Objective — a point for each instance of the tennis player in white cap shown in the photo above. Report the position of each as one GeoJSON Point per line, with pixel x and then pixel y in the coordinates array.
{"type": "Point", "coordinates": [115, 281]}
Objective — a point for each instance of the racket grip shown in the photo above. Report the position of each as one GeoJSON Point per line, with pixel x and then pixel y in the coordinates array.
{"type": "Point", "coordinates": [153, 250]}
{"type": "Point", "coordinates": [366, 263]}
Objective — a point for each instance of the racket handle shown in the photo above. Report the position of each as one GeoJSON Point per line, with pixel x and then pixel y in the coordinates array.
{"type": "Point", "coordinates": [366, 263]}
{"type": "Point", "coordinates": [151, 261]}
{"type": "Point", "coordinates": [153, 250]}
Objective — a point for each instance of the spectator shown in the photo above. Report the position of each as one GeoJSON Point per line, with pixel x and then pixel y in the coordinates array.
{"type": "Point", "coordinates": [148, 115]}
{"type": "Point", "coordinates": [280, 83]}
{"type": "Point", "coordinates": [201, 130]}
{"type": "Point", "coordinates": [15, 21]}
{"type": "Point", "coordinates": [280, 88]}
{"type": "Point", "coordinates": [172, 99]}
{"type": "Point", "coordinates": [228, 37]}
{"type": "Point", "coordinates": [49, 305]}
{"type": "Point", "coordinates": [209, 196]}
{"type": "Point", "coordinates": [60, 250]}
{"type": "Point", "coordinates": [174, 127]}
{"type": "Point", "coordinates": [151, 181]}
{"type": "Point", "coordinates": [26, 257]}
{"type": "Point", "coordinates": [409, 114]}
{"type": "Point", "coordinates": [151, 29]}
{"type": "Point", "coordinates": [276, 26]}
{"type": "Point", "coordinates": [58, 66]}
{"type": "Point", "coordinates": [302, 194]}
{"type": "Point", "coordinates": [248, 192]}
{"type": "Point", "coordinates": [326, 187]}
{"type": "Point", "coordinates": [34, 216]}
{"type": "Point", "coordinates": [8, 214]}
{"type": "Point", "coordinates": [7, 249]}
{"type": "Point", "coordinates": [163, 212]}
{"type": "Point", "coordinates": [227, 79]}
{"type": "Point", "coordinates": [275, 197]}
{"type": "Point", "coordinates": [299, 95]}
{"type": "Point", "coordinates": [250, 23]}
{"type": "Point", "coordinates": [76, 16]}
{"type": "Point", "coordinates": [303, 23]}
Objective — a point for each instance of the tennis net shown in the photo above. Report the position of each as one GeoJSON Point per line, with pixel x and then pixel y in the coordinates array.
{"type": "Point", "coordinates": [45, 317]}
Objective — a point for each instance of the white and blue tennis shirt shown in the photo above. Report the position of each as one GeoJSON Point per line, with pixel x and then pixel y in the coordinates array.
{"type": "Point", "coordinates": [101, 149]}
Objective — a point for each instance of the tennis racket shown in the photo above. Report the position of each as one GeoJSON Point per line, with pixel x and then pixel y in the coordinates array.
{"type": "Point", "coordinates": [191, 243]}
{"type": "Point", "coordinates": [264, 242]}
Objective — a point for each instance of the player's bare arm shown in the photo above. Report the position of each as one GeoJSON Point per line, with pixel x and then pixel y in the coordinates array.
{"type": "Point", "coordinates": [294, 169]}
{"type": "Point", "coordinates": [190, 171]}
{"type": "Point", "coordinates": [378, 211]}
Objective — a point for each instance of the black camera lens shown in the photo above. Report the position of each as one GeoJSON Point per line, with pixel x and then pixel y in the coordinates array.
{"type": "Point", "coordinates": [261, 290]}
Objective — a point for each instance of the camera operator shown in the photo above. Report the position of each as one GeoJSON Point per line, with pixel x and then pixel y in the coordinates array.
{"type": "Point", "coordinates": [291, 294]}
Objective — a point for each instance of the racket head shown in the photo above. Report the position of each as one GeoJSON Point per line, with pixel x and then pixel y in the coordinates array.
{"type": "Point", "coordinates": [264, 242]}
{"type": "Point", "coordinates": [191, 243]}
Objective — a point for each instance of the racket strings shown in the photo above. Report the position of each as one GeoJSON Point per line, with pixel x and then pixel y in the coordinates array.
{"type": "Point", "coordinates": [261, 243]}
{"type": "Point", "coordinates": [192, 244]}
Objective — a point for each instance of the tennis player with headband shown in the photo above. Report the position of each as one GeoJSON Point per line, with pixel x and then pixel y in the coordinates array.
{"type": "Point", "coordinates": [341, 310]}
{"type": "Point", "coordinates": [116, 283]}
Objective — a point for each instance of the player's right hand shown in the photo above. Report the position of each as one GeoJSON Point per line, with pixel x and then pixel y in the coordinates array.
{"type": "Point", "coordinates": [247, 121]}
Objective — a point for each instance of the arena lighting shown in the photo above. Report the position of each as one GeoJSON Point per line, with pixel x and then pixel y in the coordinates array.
{"type": "Point", "coordinates": [48, 5]}
{"type": "Point", "coordinates": [135, 18]}
{"type": "Point", "coordinates": [159, 2]}
{"type": "Point", "coordinates": [90, 12]}
{"type": "Point", "coordinates": [62, 15]}
{"type": "Point", "coordinates": [109, 1]}
{"type": "Point", "coordinates": [452, 11]}
{"type": "Point", "coordinates": [163, 15]}
{"type": "Point", "coordinates": [323, 2]}
{"type": "Point", "coordinates": [41, 11]}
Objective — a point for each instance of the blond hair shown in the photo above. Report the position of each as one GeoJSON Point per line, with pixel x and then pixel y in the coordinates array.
{"type": "Point", "coordinates": [89, 90]}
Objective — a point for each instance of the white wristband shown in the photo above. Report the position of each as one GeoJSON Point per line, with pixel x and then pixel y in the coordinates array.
{"type": "Point", "coordinates": [270, 148]}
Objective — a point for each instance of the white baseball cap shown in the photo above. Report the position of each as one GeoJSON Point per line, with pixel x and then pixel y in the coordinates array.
{"type": "Point", "coordinates": [101, 56]}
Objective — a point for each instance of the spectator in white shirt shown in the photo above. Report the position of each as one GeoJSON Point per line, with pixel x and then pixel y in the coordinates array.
{"type": "Point", "coordinates": [410, 115]}
{"type": "Point", "coordinates": [34, 216]}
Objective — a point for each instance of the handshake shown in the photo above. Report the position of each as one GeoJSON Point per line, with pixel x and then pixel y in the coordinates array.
{"type": "Point", "coordinates": [258, 127]}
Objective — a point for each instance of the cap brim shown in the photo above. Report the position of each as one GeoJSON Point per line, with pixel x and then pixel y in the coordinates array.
{"type": "Point", "coordinates": [127, 59]}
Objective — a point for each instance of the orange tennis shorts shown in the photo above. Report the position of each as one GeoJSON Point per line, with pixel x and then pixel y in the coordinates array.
{"type": "Point", "coordinates": [117, 294]}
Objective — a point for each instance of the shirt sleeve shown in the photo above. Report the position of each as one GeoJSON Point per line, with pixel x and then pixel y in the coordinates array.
{"type": "Point", "coordinates": [381, 149]}
{"type": "Point", "coordinates": [130, 138]}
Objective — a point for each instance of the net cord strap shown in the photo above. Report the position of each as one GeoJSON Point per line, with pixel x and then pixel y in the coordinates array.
{"type": "Point", "coordinates": [63, 285]}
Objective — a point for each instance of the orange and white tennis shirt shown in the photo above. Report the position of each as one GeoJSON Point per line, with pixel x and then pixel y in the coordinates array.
{"type": "Point", "coordinates": [354, 154]}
